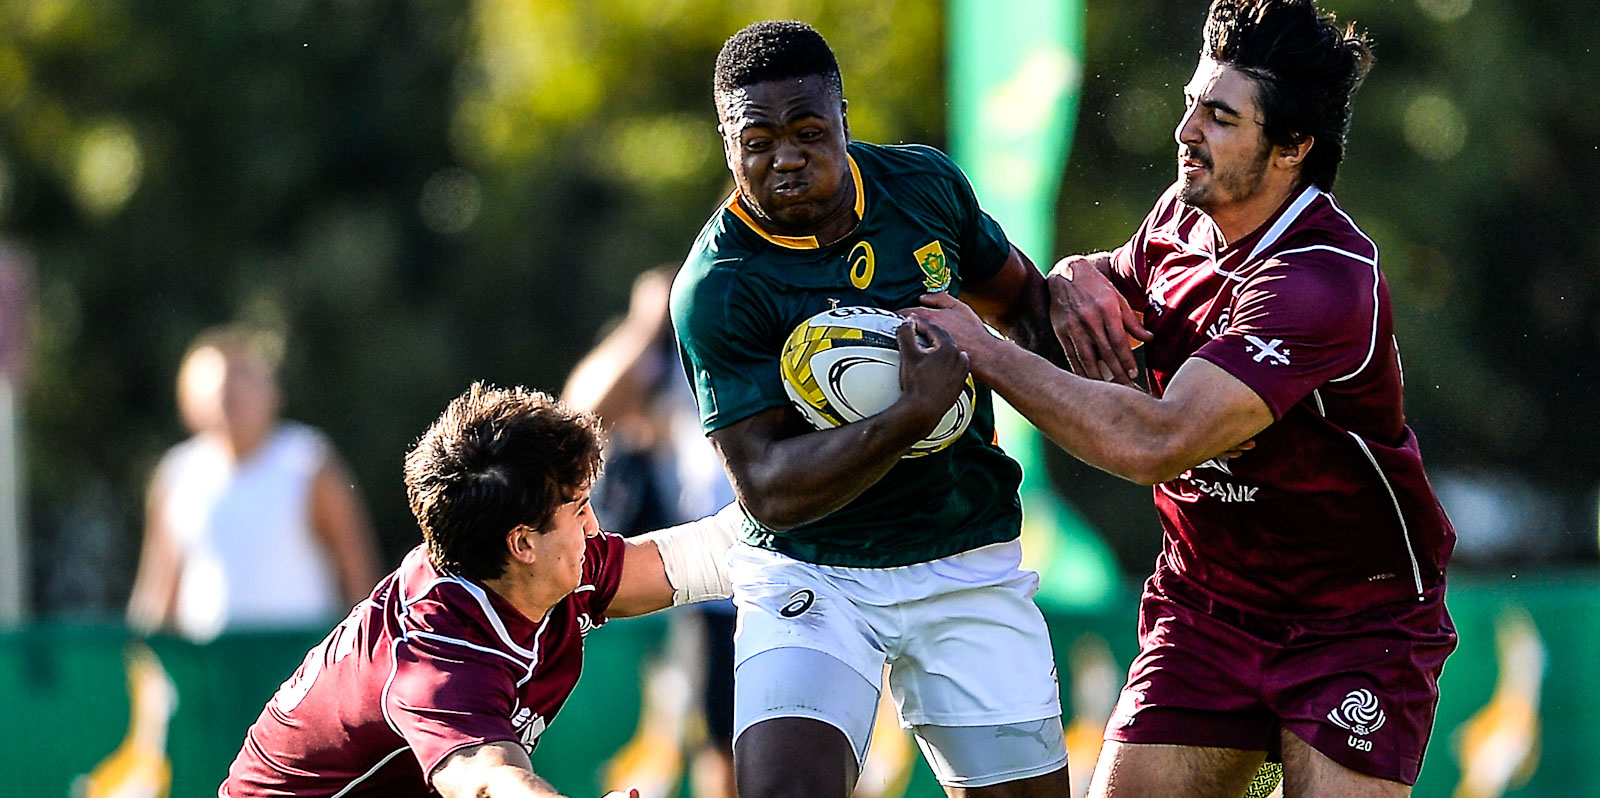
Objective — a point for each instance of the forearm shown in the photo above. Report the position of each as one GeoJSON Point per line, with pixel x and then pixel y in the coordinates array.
{"type": "Point", "coordinates": [796, 480]}
{"type": "Point", "coordinates": [490, 770]}
{"type": "Point", "coordinates": [1116, 428]}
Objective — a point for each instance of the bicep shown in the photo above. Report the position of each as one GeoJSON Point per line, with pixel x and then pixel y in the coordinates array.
{"type": "Point", "coordinates": [998, 297]}
{"type": "Point", "coordinates": [1217, 411]}
{"type": "Point", "coordinates": [643, 586]}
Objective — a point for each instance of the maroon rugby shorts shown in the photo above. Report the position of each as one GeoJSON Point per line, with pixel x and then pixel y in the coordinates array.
{"type": "Point", "coordinates": [1361, 689]}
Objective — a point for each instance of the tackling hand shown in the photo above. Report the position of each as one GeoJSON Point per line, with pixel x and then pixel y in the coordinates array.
{"type": "Point", "coordinates": [1093, 321]}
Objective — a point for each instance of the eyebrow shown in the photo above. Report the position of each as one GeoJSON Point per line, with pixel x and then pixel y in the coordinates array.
{"type": "Point", "coordinates": [1216, 105]}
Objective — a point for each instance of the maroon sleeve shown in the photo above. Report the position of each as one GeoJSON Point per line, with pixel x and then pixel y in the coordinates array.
{"type": "Point", "coordinates": [445, 695]}
{"type": "Point", "coordinates": [1130, 263]}
{"type": "Point", "coordinates": [602, 568]}
{"type": "Point", "coordinates": [1297, 325]}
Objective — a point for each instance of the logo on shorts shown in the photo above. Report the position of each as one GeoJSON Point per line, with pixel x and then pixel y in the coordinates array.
{"type": "Point", "coordinates": [798, 603]}
{"type": "Point", "coordinates": [1358, 712]}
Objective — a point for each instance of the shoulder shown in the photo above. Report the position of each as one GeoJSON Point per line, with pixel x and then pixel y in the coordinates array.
{"type": "Point", "coordinates": [714, 285]}
{"type": "Point", "coordinates": [1323, 257]}
{"type": "Point", "coordinates": [897, 164]}
{"type": "Point", "coordinates": [437, 609]}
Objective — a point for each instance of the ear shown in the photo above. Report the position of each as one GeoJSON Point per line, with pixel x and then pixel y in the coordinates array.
{"type": "Point", "coordinates": [1293, 155]}
{"type": "Point", "coordinates": [844, 118]}
{"type": "Point", "coordinates": [519, 544]}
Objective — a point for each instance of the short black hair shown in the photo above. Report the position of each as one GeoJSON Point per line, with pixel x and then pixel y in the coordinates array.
{"type": "Point", "coordinates": [496, 458]}
{"type": "Point", "coordinates": [1305, 67]}
{"type": "Point", "coordinates": [774, 50]}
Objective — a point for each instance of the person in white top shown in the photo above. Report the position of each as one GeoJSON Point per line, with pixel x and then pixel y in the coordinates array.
{"type": "Point", "coordinates": [254, 522]}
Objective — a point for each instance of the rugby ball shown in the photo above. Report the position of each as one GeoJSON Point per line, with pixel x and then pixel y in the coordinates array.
{"type": "Point", "coordinates": [843, 365]}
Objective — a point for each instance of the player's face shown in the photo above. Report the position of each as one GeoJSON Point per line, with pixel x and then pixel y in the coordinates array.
{"type": "Point", "coordinates": [559, 551]}
{"type": "Point", "coordinates": [785, 144]}
{"type": "Point", "coordinates": [1223, 152]}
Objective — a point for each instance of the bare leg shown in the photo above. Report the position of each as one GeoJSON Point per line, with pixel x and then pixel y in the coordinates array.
{"type": "Point", "coordinates": [1126, 770]}
{"type": "Point", "coordinates": [1307, 773]}
{"type": "Point", "coordinates": [794, 758]}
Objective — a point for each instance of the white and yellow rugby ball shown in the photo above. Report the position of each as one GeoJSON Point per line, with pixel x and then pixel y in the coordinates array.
{"type": "Point", "coordinates": [843, 365]}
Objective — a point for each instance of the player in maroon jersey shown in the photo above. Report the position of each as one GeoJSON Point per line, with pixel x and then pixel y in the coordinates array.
{"type": "Point", "coordinates": [1297, 608]}
{"type": "Point", "coordinates": [441, 681]}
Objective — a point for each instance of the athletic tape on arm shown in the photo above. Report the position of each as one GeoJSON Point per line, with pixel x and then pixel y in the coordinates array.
{"type": "Point", "coordinates": [696, 555]}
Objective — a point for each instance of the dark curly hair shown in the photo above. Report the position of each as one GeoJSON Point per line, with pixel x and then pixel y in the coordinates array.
{"type": "Point", "coordinates": [1306, 70]}
{"type": "Point", "coordinates": [774, 50]}
{"type": "Point", "coordinates": [496, 458]}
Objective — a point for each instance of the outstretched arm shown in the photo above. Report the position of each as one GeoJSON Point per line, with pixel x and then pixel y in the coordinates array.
{"type": "Point", "coordinates": [495, 770]}
{"type": "Point", "coordinates": [1203, 413]}
{"type": "Point", "coordinates": [677, 565]}
{"type": "Point", "coordinates": [1016, 301]}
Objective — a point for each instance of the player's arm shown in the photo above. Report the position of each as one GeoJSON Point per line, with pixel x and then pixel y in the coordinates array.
{"type": "Point", "coordinates": [340, 523]}
{"type": "Point", "coordinates": [154, 599]}
{"type": "Point", "coordinates": [1016, 301]}
{"type": "Point", "coordinates": [1204, 412]}
{"type": "Point", "coordinates": [677, 565]}
{"type": "Point", "coordinates": [786, 474]}
{"type": "Point", "coordinates": [1092, 320]}
{"type": "Point", "coordinates": [495, 770]}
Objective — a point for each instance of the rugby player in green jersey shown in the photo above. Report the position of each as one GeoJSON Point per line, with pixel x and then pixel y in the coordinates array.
{"type": "Point", "coordinates": [855, 556]}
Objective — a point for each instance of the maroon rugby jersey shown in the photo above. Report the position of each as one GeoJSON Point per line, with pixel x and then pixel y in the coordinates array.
{"type": "Point", "coordinates": [1331, 512]}
{"type": "Point", "coordinates": [431, 662]}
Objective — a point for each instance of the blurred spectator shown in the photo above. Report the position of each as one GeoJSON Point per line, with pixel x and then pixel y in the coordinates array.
{"type": "Point", "coordinates": [661, 470]}
{"type": "Point", "coordinates": [254, 521]}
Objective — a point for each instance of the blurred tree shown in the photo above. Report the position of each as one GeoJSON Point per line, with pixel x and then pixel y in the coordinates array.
{"type": "Point", "coordinates": [422, 193]}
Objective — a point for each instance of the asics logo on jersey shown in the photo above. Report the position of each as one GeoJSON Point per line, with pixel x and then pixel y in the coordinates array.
{"type": "Point", "coordinates": [798, 603]}
{"type": "Point", "coordinates": [1265, 349]}
{"type": "Point", "coordinates": [1359, 712]}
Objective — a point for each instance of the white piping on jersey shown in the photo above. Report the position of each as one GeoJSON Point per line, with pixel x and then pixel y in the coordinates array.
{"type": "Point", "coordinates": [1276, 231]}
{"type": "Point", "coordinates": [482, 598]}
{"type": "Point", "coordinates": [375, 769]}
{"type": "Point", "coordinates": [1372, 344]}
{"type": "Point", "coordinates": [582, 589]}
{"type": "Point", "coordinates": [1268, 238]}
{"type": "Point", "coordinates": [1316, 395]}
{"type": "Point", "coordinates": [383, 699]}
{"type": "Point", "coordinates": [1405, 531]}
{"type": "Point", "coordinates": [466, 644]}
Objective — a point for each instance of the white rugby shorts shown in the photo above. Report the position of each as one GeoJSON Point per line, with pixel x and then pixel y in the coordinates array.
{"type": "Point", "coordinates": [967, 651]}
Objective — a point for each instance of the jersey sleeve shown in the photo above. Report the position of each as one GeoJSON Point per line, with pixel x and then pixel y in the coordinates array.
{"type": "Point", "coordinates": [729, 355]}
{"type": "Point", "coordinates": [602, 569]}
{"type": "Point", "coordinates": [1131, 263]}
{"type": "Point", "coordinates": [1297, 325]}
{"type": "Point", "coordinates": [984, 246]}
{"type": "Point", "coordinates": [445, 696]}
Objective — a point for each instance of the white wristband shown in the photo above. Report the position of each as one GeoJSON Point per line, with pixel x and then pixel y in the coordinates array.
{"type": "Point", "coordinates": [695, 555]}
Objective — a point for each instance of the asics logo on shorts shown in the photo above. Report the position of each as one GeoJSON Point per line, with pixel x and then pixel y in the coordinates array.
{"type": "Point", "coordinates": [1358, 712]}
{"type": "Point", "coordinates": [798, 603]}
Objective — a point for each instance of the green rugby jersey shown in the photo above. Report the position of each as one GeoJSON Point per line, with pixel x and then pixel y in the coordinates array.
{"type": "Point", "coordinates": [742, 290]}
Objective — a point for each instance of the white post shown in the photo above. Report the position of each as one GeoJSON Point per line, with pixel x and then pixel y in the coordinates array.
{"type": "Point", "coordinates": [13, 546]}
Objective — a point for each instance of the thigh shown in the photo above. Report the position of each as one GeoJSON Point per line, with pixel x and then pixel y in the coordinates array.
{"type": "Point", "coordinates": [1308, 773]}
{"type": "Point", "coordinates": [976, 652]}
{"type": "Point", "coordinates": [800, 683]}
{"type": "Point", "coordinates": [1131, 770]}
{"type": "Point", "coordinates": [793, 757]}
{"type": "Point", "coordinates": [1195, 682]}
{"type": "Point", "coordinates": [1013, 759]}
{"type": "Point", "coordinates": [1362, 690]}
